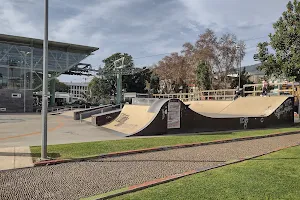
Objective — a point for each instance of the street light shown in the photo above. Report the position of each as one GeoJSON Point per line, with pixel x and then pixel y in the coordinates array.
{"type": "Point", "coordinates": [24, 78]}
{"type": "Point", "coordinates": [45, 84]}
{"type": "Point", "coordinates": [238, 48]}
{"type": "Point", "coordinates": [119, 78]}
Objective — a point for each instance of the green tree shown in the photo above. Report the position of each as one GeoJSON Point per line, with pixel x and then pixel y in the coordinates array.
{"type": "Point", "coordinates": [245, 79]}
{"type": "Point", "coordinates": [203, 76]}
{"type": "Point", "coordinates": [61, 87]}
{"type": "Point", "coordinates": [99, 89]}
{"type": "Point", "coordinates": [137, 82]}
{"type": "Point", "coordinates": [154, 83]}
{"type": "Point", "coordinates": [285, 61]}
{"type": "Point", "coordinates": [38, 80]}
{"type": "Point", "coordinates": [109, 72]}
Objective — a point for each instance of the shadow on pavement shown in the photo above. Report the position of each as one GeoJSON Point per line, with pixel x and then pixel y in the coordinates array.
{"type": "Point", "coordinates": [28, 154]}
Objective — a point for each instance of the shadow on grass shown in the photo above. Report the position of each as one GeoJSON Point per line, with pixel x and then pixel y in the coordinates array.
{"type": "Point", "coordinates": [201, 133]}
{"type": "Point", "coordinates": [51, 155]}
{"type": "Point", "coordinates": [135, 161]}
{"type": "Point", "coordinates": [262, 159]}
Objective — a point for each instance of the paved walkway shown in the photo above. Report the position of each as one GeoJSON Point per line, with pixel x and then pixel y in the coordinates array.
{"type": "Point", "coordinates": [83, 179]}
{"type": "Point", "coordinates": [15, 157]}
{"type": "Point", "coordinates": [25, 130]}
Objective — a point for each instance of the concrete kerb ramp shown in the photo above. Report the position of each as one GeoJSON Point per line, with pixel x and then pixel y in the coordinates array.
{"type": "Point", "coordinates": [85, 113]}
{"type": "Point", "coordinates": [104, 118]}
{"type": "Point", "coordinates": [70, 113]}
{"type": "Point", "coordinates": [166, 116]}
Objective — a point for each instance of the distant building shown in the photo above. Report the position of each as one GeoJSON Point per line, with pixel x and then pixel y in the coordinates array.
{"type": "Point", "coordinates": [77, 90]}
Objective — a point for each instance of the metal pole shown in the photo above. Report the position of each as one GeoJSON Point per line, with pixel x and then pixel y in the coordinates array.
{"type": "Point", "coordinates": [24, 81]}
{"type": "Point", "coordinates": [240, 63]}
{"type": "Point", "coordinates": [45, 85]}
{"type": "Point", "coordinates": [119, 87]}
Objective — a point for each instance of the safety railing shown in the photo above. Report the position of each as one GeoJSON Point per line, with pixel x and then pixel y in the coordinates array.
{"type": "Point", "coordinates": [227, 94]}
{"type": "Point", "coordinates": [256, 89]}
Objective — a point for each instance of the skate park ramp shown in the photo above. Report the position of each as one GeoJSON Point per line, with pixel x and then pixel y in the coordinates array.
{"type": "Point", "coordinates": [253, 106]}
{"type": "Point", "coordinates": [243, 113]}
{"type": "Point", "coordinates": [241, 107]}
{"type": "Point", "coordinates": [131, 119]}
{"type": "Point", "coordinates": [140, 117]}
{"type": "Point", "coordinates": [208, 106]}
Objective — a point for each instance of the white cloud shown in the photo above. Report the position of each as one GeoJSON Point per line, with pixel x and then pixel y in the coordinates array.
{"type": "Point", "coordinates": [14, 22]}
{"type": "Point", "coordinates": [140, 27]}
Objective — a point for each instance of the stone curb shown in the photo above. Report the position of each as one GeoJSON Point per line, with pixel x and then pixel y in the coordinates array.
{"type": "Point", "coordinates": [123, 153]}
{"type": "Point", "coordinates": [155, 182]}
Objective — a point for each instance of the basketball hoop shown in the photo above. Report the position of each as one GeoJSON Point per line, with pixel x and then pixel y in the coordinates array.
{"type": "Point", "coordinates": [119, 63]}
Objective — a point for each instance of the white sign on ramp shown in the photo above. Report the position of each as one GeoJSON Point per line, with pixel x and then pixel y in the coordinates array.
{"type": "Point", "coordinates": [173, 114]}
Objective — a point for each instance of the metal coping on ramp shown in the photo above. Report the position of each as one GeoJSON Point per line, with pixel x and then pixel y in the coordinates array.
{"type": "Point", "coordinates": [156, 106]}
{"type": "Point", "coordinates": [174, 177]}
{"type": "Point", "coordinates": [165, 148]}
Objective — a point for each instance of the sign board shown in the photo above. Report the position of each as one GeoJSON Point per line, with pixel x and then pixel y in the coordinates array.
{"type": "Point", "coordinates": [173, 114]}
{"type": "Point", "coordinates": [16, 95]}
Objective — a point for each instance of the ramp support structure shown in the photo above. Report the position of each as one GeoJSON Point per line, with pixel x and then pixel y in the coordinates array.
{"type": "Point", "coordinates": [119, 87]}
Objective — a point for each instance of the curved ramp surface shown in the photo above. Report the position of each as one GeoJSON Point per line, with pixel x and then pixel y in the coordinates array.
{"type": "Point", "coordinates": [208, 106]}
{"type": "Point", "coordinates": [254, 106]}
{"type": "Point", "coordinates": [244, 113]}
{"type": "Point", "coordinates": [132, 119]}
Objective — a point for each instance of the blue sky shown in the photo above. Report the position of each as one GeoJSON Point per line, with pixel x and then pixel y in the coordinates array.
{"type": "Point", "coordinates": [140, 27]}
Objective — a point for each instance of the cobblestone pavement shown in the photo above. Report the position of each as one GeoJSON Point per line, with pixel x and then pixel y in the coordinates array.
{"type": "Point", "coordinates": [83, 179]}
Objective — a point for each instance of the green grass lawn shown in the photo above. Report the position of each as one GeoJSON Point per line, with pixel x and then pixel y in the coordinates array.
{"type": "Point", "coordinates": [77, 150]}
{"type": "Point", "coordinates": [275, 176]}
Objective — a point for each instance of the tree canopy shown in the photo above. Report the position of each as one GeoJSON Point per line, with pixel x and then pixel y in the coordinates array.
{"type": "Point", "coordinates": [245, 79]}
{"type": "Point", "coordinates": [104, 86]}
{"type": "Point", "coordinates": [203, 76]}
{"type": "Point", "coordinates": [285, 61]}
{"type": "Point", "coordinates": [220, 55]}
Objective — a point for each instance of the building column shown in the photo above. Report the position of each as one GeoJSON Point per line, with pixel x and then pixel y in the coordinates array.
{"type": "Point", "coordinates": [52, 92]}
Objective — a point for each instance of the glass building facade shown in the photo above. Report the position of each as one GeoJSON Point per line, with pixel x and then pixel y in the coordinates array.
{"type": "Point", "coordinates": [21, 61]}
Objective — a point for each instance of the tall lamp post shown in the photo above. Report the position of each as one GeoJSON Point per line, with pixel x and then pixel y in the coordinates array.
{"type": "Point", "coordinates": [45, 85]}
{"type": "Point", "coordinates": [239, 63]}
{"type": "Point", "coordinates": [119, 78]}
{"type": "Point", "coordinates": [119, 71]}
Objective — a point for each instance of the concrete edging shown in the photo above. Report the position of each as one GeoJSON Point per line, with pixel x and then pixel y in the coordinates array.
{"type": "Point", "coordinates": [123, 153]}
{"type": "Point", "coordinates": [155, 182]}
